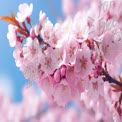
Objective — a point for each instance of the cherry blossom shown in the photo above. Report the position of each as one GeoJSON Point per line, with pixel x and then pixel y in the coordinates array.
{"type": "Point", "coordinates": [42, 18]}
{"type": "Point", "coordinates": [24, 12]}
{"type": "Point", "coordinates": [30, 49]}
{"type": "Point", "coordinates": [78, 58]}
{"type": "Point", "coordinates": [30, 71]}
{"type": "Point", "coordinates": [46, 31]}
{"type": "Point", "coordinates": [12, 35]}
{"type": "Point", "coordinates": [62, 93]}
{"type": "Point", "coordinates": [108, 47]}
{"type": "Point", "coordinates": [83, 64]}
{"type": "Point", "coordinates": [46, 83]}
{"type": "Point", "coordinates": [49, 62]}
{"type": "Point", "coordinates": [71, 50]}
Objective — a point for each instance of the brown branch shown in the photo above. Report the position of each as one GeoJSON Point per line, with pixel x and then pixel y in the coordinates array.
{"type": "Point", "coordinates": [110, 79]}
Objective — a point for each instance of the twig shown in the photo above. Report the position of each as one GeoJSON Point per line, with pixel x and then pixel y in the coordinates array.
{"type": "Point", "coordinates": [110, 79]}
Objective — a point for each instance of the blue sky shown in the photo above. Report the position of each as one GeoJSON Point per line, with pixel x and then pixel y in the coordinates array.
{"type": "Point", "coordinates": [12, 75]}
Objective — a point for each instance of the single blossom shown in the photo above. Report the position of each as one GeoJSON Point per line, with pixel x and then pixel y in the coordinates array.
{"type": "Point", "coordinates": [56, 35]}
{"type": "Point", "coordinates": [62, 93]}
{"type": "Point", "coordinates": [83, 63]}
{"type": "Point", "coordinates": [30, 70]}
{"type": "Point", "coordinates": [95, 88]}
{"type": "Point", "coordinates": [50, 61]}
{"type": "Point", "coordinates": [71, 76]}
{"type": "Point", "coordinates": [46, 30]}
{"type": "Point", "coordinates": [46, 83]}
{"type": "Point", "coordinates": [12, 37]}
{"type": "Point", "coordinates": [24, 12]}
{"type": "Point", "coordinates": [80, 27]}
{"type": "Point", "coordinates": [31, 49]}
{"type": "Point", "coordinates": [71, 48]}
{"type": "Point", "coordinates": [109, 46]}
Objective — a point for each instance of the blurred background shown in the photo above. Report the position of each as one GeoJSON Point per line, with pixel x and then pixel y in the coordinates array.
{"type": "Point", "coordinates": [11, 78]}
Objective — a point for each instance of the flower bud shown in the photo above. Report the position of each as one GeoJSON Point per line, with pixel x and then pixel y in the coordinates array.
{"type": "Point", "coordinates": [57, 76]}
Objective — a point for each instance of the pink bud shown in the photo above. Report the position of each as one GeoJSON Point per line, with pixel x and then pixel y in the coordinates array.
{"type": "Point", "coordinates": [95, 74]}
{"type": "Point", "coordinates": [63, 71]}
{"type": "Point", "coordinates": [32, 33]}
{"type": "Point", "coordinates": [57, 76]}
{"type": "Point", "coordinates": [107, 16]}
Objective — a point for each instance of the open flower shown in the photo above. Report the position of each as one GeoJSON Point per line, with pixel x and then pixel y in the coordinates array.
{"type": "Point", "coordinates": [47, 29]}
{"type": "Point", "coordinates": [62, 93]}
{"type": "Point", "coordinates": [31, 49]}
{"type": "Point", "coordinates": [45, 82]}
{"type": "Point", "coordinates": [50, 60]}
{"type": "Point", "coordinates": [12, 35]}
{"type": "Point", "coordinates": [110, 48]}
{"type": "Point", "coordinates": [83, 63]}
{"type": "Point", "coordinates": [95, 88]}
{"type": "Point", "coordinates": [71, 48]}
{"type": "Point", "coordinates": [30, 71]}
{"type": "Point", "coordinates": [24, 11]}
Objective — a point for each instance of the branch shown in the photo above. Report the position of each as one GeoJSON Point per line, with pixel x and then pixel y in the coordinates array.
{"type": "Point", "coordinates": [41, 41]}
{"type": "Point", "coordinates": [110, 79]}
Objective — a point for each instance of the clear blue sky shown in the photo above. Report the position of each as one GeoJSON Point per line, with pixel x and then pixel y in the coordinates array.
{"type": "Point", "coordinates": [7, 62]}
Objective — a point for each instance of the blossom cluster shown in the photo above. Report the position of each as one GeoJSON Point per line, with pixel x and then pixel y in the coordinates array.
{"type": "Point", "coordinates": [73, 59]}
{"type": "Point", "coordinates": [35, 107]}
{"type": "Point", "coordinates": [22, 111]}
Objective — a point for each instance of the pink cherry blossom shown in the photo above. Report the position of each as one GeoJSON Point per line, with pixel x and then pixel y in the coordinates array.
{"type": "Point", "coordinates": [109, 47]}
{"type": "Point", "coordinates": [24, 11]}
{"type": "Point", "coordinates": [30, 71]}
{"type": "Point", "coordinates": [57, 76]}
{"type": "Point", "coordinates": [50, 61]}
{"type": "Point", "coordinates": [62, 93]}
{"type": "Point", "coordinates": [71, 76]}
{"type": "Point", "coordinates": [12, 35]}
{"type": "Point", "coordinates": [35, 31]}
{"type": "Point", "coordinates": [80, 28]}
{"type": "Point", "coordinates": [42, 18]}
{"type": "Point", "coordinates": [77, 59]}
{"type": "Point", "coordinates": [17, 54]}
{"type": "Point", "coordinates": [31, 49]}
{"type": "Point", "coordinates": [71, 50]}
{"type": "Point", "coordinates": [46, 30]}
{"type": "Point", "coordinates": [55, 36]}
{"type": "Point", "coordinates": [46, 83]}
{"type": "Point", "coordinates": [83, 64]}
{"type": "Point", "coordinates": [63, 70]}
{"type": "Point", "coordinates": [95, 88]}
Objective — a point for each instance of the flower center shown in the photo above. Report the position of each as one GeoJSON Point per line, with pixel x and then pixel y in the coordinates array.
{"type": "Point", "coordinates": [83, 62]}
{"type": "Point", "coordinates": [95, 86]}
{"type": "Point", "coordinates": [48, 61]}
{"type": "Point", "coordinates": [71, 51]}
